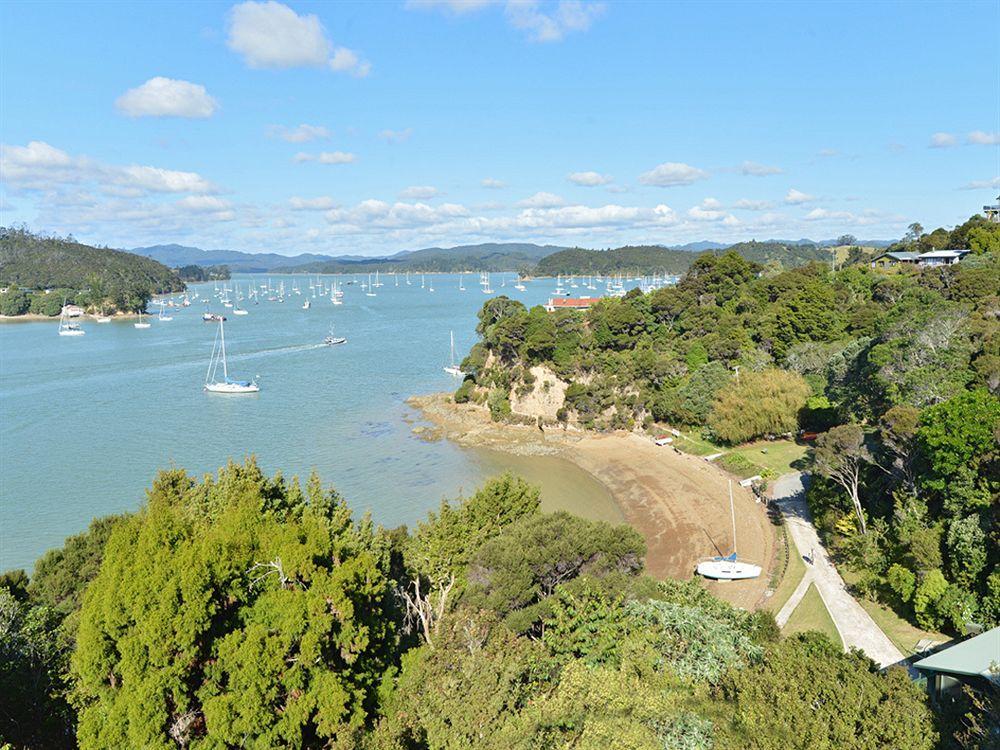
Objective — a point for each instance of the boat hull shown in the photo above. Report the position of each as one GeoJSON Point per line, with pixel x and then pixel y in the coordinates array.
{"type": "Point", "coordinates": [455, 371]}
{"type": "Point", "coordinates": [728, 570]}
{"type": "Point", "coordinates": [232, 388]}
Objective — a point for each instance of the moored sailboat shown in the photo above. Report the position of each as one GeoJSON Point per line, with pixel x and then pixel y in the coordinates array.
{"type": "Point", "coordinates": [227, 384]}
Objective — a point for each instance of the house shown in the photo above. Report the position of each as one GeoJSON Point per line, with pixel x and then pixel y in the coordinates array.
{"type": "Point", "coordinates": [941, 257]}
{"type": "Point", "coordinates": [571, 303]}
{"type": "Point", "coordinates": [993, 212]}
{"type": "Point", "coordinates": [973, 662]}
{"type": "Point", "coordinates": [885, 260]}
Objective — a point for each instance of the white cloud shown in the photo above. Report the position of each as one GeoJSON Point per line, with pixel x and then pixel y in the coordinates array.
{"type": "Point", "coordinates": [457, 7]}
{"type": "Point", "coordinates": [795, 197]}
{"type": "Point", "coordinates": [819, 214]}
{"type": "Point", "coordinates": [672, 173]}
{"type": "Point", "coordinates": [943, 140]}
{"type": "Point", "coordinates": [542, 200]}
{"type": "Point", "coordinates": [982, 184]}
{"type": "Point", "coordinates": [347, 61]}
{"type": "Point", "coordinates": [326, 157]}
{"type": "Point", "coordinates": [162, 180]}
{"type": "Point", "coordinates": [710, 209]}
{"type": "Point", "coordinates": [419, 192]}
{"type": "Point", "coordinates": [396, 136]}
{"type": "Point", "coordinates": [322, 203]}
{"type": "Point", "coordinates": [589, 179]}
{"type": "Point", "coordinates": [754, 169]}
{"type": "Point", "coordinates": [272, 35]}
{"type": "Point", "coordinates": [828, 153]}
{"type": "Point", "coordinates": [982, 138]}
{"type": "Point", "coordinates": [301, 134]}
{"type": "Point", "coordinates": [167, 97]}
{"type": "Point", "coordinates": [203, 203]}
{"type": "Point", "coordinates": [492, 184]}
{"type": "Point", "coordinates": [751, 205]}
{"type": "Point", "coordinates": [551, 26]}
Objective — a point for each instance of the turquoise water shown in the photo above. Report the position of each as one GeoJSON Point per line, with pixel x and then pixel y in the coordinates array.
{"type": "Point", "coordinates": [85, 422]}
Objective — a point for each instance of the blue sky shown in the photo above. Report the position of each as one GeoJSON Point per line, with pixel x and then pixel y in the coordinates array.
{"type": "Point", "coordinates": [375, 127]}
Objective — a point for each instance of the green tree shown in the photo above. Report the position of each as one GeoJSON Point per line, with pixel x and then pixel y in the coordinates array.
{"type": "Point", "coordinates": [760, 403]}
{"type": "Point", "coordinates": [14, 302]}
{"type": "Point", "coordinates": [238, 611]}
{"type": "Point", "coordinates": [839, 455]}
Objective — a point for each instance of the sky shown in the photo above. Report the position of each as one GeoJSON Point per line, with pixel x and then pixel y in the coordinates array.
{"type": "Point", "coordinates": [369, 128]}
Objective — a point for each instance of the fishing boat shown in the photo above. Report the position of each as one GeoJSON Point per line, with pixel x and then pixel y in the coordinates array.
{"type": "Point", "coordinates": [227, 384]}
{"type": "Point", "coordinates": [730, 567]}
{"type": "Point", "coordinates": [306, 305]}
{"type": "Point", "coordinates": [141, 324]}
{"type": "Point", "coordinates": [212, 317]}
{"type": "Point", "coordinates": [452, 368]}
{"type": "Point", "coordinates": [65, 327]}
{"type": "Point", "coordinates": [332, 340]}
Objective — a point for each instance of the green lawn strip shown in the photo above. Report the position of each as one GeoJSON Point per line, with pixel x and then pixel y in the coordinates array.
{"type": "Point", "coordinates": [902, 633]}
{"type": "Point", "coordinates": [776, 455]}
{"type": "Point", "coordinates": [812, 614]}
{"type": "Point", "coordinates": [794, 571]}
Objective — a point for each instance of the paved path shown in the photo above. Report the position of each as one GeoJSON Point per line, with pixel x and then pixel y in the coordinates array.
{"type": "Point", "coordinates": [855, 626]}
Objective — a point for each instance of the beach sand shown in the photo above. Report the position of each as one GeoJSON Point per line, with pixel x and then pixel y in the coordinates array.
{"type": "Point", "coordinates": [679, 503]}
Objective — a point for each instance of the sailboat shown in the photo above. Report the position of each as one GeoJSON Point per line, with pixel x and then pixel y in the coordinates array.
{"type": "Point", "coordinates": [453, 369]}
{"type": "Point", "coordinates": [164, 318]}
{"type": "Point", "coordinates": [728, 568]}
{"type": "Point", "coordinates": [65, 327]}
{"type": "Point", "coordinates": [227, 384]}
{"type": "Point", "coordinates": [103, 317]}
{"type": "Point", "coordinates": [332, 340]}
{"type": "Point", "coordinates": [461, 285]}
{"type": "Point", "coordinates": [141, 324]}
{"type": "Point", "coordinates": [370, 293]}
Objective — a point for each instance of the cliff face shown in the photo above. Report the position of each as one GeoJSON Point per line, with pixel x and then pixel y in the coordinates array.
{"type": "Point", "coordinates": [545, 397]}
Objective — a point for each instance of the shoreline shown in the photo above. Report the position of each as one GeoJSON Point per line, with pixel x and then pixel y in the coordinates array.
{"type": "Point", "coordinates": [677, 502]}
{"type": "Point", "coordinates": [38, 318]}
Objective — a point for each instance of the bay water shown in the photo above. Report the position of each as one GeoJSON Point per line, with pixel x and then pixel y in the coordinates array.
{"type": "Point", "coordinates": [86, 421]}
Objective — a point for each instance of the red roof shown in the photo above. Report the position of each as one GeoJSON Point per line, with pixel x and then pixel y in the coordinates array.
{"type": "Point", "coordinates": [573, 302]}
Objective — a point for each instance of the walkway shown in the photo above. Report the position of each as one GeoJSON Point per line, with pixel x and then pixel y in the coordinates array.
{"type": "Point", "coordinates": [856, 627]}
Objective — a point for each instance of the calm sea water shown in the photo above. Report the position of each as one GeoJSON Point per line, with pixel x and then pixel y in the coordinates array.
{"type": "Point", "coordinates": [85, 422]}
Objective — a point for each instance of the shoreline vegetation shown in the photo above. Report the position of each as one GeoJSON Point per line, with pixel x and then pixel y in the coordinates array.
{"type": "Point", "coordinates": [678, 502]}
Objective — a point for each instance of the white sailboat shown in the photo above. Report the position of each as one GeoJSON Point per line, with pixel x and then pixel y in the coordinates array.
{"type": "Point", "coordinates": [65, 327]}
{"type": "Point", "coordinates": [164, 318]}
{"type": "Point", "coordinates": [728, 568]}
{"type": "Point", "coordinates": [370, 293]}
{"type": "Point", "coordinates": [141, 324]}
{"type": "Point", "coordinates": [452, 368]}
{"type": "Point", "coordinates": [103, 317]}
{"type": "Point", "coordinates": [227, 384]}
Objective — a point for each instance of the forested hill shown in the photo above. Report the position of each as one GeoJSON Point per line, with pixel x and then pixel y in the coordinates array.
{"type": "Point", "coordinates": [490, 256]}
{"type": "Point", "coordinates": [35, 262]}
{"type": "Point", "coordinates": [649, 259]}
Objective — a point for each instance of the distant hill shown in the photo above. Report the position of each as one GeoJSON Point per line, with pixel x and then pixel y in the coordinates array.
{"type": "Point", "coordinates": [35, 262]}
{"type": "Point", "coordinates": [648, 259]}
{"type": "Point", "coordinates": [490, 256]}
{"type": "Point", "coordinates": [177, 256]}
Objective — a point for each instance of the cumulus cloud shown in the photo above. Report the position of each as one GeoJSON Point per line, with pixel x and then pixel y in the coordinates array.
{"type": "Point", "coordinates": [943, 140]}
{"type": "Point", "coordinates": [982, 138]}
{"type": "Point", "coordinates": [272, 35]}
{"type": "Point", "coordinates": [754, 169]}
{"type": "Point", "coordinates": [589, 179]}
{"type": "Point", "coordinates": [982, 184]}
{"type": "Point", "coordinates": [672, 173]}
{"type": "Point", "coordinates": [540, 21]}
{"type": "Point", "coordinates": [322, 203]}
{"type": "Point", "coordinates": [818, 214]}
{"type": "Point", "coordinates": [396, 136]}
{"type": "Point", "coordinates": [711, 209]}
{"type": "Point", "coordinates": [795, 197]}
{"type": "Point", "coordinates": [326, 157]}
{"type": "Point", "coordinates": [419, 192]}
{"type": "Point", "coordinates": [828, 153]}
{"type": "Point", "coordinates": [167, 97]}
{"type": "Point", "coordinates": [301, 134]}
{"type": "Point", "coordinates": [542, 200]}
{"type": "Point", "coordinates": [751, 205]}
{"type": "Point", "coordinates": [493, 184]}
{"type": "Point", "coordinates": [204, 203]}
{"type": "Point", "coordinates": [161, 180]}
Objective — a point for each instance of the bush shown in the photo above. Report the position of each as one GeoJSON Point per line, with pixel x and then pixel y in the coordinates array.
{"type": "Point", "coordinates": [14, 302]}
{"type": "Point", "coordinates": [760, 404]}
{"type": "Point", "coordinates": [464, 392]}
{"type": "Point", "coordinates": [926, 597]}
{"type": "Point", "coordinates": [499, 405]}
{"type": "Point", "coordinates": [902, 581]}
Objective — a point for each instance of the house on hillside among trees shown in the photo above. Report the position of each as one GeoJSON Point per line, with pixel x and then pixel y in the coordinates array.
{"type": "Point", "coordinates": [974, 663]}
{"type": "Point", "coordinates": [571, 303]}
{"type": "Point", "coordinates": [907, 258]}
{"type": "Point", "coordinates": [887, 260]}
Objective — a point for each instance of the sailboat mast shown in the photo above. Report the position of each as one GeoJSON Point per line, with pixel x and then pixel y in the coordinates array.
{"type": "Point", "coordinates": [732, 510]}
{"type": "Point", "coordinates": [225, 369]}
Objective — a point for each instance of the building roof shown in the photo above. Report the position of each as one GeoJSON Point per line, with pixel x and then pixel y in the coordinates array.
{"type": "Point", "coordinates": [945, 253]}
{"type": "Point", "coordinates": [973, 657]}
{"type": "Point", "coordinates": [573, 302]}
{"type": "Point", "coordinates": [900, 255]}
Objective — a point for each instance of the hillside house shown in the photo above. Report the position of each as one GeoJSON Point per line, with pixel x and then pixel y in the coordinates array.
{"type": "Point", "coordinates": [571, 303]}
{"type": "Point", "coordinates": [887, 260]}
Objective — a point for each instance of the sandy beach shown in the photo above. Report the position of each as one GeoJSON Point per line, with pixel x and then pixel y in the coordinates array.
{"type": "Point", "coordinates": [679, 503]}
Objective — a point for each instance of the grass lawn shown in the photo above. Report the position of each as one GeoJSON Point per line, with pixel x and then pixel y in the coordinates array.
{"type": "Point", "coordinates": [811, 614]}
{"type": "Point", "coordinates": [903, 634]}
{"type": "Point", "coordinates": [779, 455]}
{"type": "Point", "coordinates": [790, 581]}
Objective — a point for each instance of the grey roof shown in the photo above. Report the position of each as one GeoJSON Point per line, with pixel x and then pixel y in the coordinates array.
{"type": "Point", "coordinates": [972, 657]}
{"type": "Point", "coordinates": [945, 253]}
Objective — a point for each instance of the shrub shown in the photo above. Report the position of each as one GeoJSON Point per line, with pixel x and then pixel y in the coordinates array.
{"type": "Point", "coordinates": [14, 302]}
{"type": "Point", "coordinates": [464, 392]}
{"type": "Point", "coordinates": [499, 405]}
{"type": "Point", "coordinates": [761, 403]}
{"type": "Point", "coordinates": [902, 581]}
{"type": "Point", "coordinates": [930, 590]}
